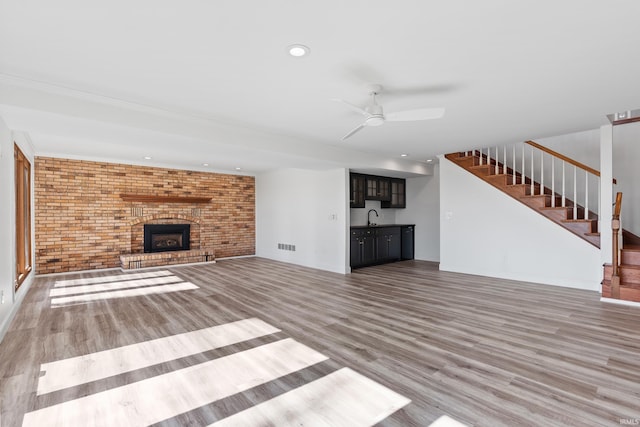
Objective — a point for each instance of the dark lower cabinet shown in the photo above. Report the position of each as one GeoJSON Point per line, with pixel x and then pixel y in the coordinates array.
{"type": "Point", "coordinates": [388, 246]}
{"type": "Point", "coordinates": [377, 245]}
{"type": "Point", "coordinates": [408, 243]}
{"type": "Point", "coordinates": [363, 245]}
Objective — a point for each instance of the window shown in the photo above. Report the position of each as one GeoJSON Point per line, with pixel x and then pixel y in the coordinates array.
{"type": "Point", "coordinates": [23, 216]}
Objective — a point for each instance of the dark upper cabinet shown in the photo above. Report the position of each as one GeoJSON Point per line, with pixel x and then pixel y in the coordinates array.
{"type": "Point", "coordinates": [398, 191]}
{"type": "Point", "coordinates": [378, 188]}
{"type": "Point", "coordinates": [357, 190]}
{"type": "Point", "coordinates": [391, 192]}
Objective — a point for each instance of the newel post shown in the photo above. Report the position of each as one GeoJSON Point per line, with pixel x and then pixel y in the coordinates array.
{"type": "Point", "coordinates": [615, 262]}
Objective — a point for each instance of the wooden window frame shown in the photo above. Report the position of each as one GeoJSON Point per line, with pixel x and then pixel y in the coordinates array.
{"type": "Point", "coordinates": [23, 216]}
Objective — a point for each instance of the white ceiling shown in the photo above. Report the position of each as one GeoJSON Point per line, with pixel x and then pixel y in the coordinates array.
{"type": "Point", "coordinates": [209, 81]}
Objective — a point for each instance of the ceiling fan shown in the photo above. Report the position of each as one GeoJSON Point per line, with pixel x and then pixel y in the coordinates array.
{"type": "Point", "coordinates": [374, 115]}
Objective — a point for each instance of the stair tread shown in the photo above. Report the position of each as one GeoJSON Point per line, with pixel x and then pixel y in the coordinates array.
{"type": "Point", "coordinates": [592, 234]}
{"type": "Point", "coordinates": [579, 220]}
{"type": "Point", "coordinates": [536, 195]}
{"type": "Point", "coordinates": [631, 248]}
{"type": "Point", "coordinates": [626, 267]}
{"type": "Point", "coordinates": [556, 207]}
{"type": "Point", "coordinates": [630, 266]}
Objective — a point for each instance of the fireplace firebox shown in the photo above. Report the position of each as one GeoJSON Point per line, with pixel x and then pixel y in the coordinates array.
{"type": "Point", "coordinates": [166, 237]}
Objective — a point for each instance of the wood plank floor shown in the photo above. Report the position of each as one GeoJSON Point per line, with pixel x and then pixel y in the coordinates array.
{"type": "Point", "coordinates": [486, 352]}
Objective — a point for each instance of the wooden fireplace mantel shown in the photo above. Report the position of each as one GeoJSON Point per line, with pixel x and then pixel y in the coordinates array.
{"type": "Point", "coordinates": [163, 199]}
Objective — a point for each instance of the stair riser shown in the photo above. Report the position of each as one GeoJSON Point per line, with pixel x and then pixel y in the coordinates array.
{"type": "Point", "coordinates": [629, 276]}
{"type": "Point", "coordinates": [517, 190]}
{"type": "Point", "coordinates": [560, 214]}
{"type": "Point", "coordinates": [481, 171]}
{"type": "Point", "coordinates": [536, 201]}
{"type": "Point", "coordinates": [626, 293]}
{"type": "Point", "coordinates": [629, 294]}
{"type": "Point", "coordinates": [503, 181]}
{"type": "Point", "coordinates": [466, 162]}
{"type": "Point", "coordinates": [581, 227]}
{"type": "Point", "coordinates": [630, 257]}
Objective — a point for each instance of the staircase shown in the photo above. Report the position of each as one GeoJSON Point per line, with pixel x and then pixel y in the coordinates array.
{"type": "Point", "coordinates": [556, 207]}
{"type": "Point", "coordinates": [622, 282]}
{"type": "Point", "coordinates": [520, 171]}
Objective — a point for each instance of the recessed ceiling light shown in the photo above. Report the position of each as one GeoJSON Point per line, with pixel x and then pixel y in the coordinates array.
{"type": "Point", "coordinates": [429, 160]}
{"type": "Point", "coordinates": [147, 157]}
{"type": "Point", "coordinates": [403, 155]}
{"type": "Point", "coordinates": [205, 164]}
{"type": "Point", "coordinates": [238, 169]}
{"type": "Point", "coordinates": [298, 50]}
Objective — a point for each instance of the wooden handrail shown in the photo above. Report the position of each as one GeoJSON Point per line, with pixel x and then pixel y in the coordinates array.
{"type": "Point", "coordinates": [563, 157]}
{"type": "Point", "coordinates": [566, 159]}
{"type": "Point", "coordinates": [616, 212]}
{"type": "Point", "coordinates": [615, 228]}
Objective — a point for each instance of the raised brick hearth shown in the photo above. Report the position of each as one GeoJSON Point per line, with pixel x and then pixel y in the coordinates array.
{"type": "Point", "coordinates": [135, 261]}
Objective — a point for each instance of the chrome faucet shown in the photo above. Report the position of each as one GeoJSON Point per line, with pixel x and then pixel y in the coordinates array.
{"type": "Point", "coordinates": [369, 216]}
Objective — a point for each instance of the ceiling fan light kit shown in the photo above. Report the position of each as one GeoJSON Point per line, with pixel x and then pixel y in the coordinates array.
{"type": "Point", "coordinates": [374, 113]}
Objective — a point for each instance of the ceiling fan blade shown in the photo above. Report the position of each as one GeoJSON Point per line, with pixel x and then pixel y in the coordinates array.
{"type": "Point", "coordinates": [351, 106]}
{"type": "Point", "coordinates": [353, 131]}
{"type": "Point", "coordinates": [417, 114]}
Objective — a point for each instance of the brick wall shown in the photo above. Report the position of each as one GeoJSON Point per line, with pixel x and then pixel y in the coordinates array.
{"type": "Point", "coordinates": [82, 223]}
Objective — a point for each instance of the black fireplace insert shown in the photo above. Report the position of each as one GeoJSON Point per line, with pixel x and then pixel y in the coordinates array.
{"type": "Point", "coordinates": [166, 237]}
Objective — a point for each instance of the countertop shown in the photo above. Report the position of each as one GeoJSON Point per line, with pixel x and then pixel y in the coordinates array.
{"type": "Point", "coordinates": [381, 226]}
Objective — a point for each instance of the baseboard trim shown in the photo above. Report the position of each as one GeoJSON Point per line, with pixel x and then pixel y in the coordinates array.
{"type": "Point", "coordinates": [620, 302]}
{"type": "Point", "coordinates": [22, 292]}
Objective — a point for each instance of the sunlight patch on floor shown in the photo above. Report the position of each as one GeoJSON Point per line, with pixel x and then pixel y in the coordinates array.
{"type": "Point", "coordinates": [115, 278]}
{"type": "Point", "coordinates": [95, 366]}
{"type": "Point", "coordinates": [164, 396]}
{"type": "Point", "coordinates": [80, 291]}
{"type": "Point", "coordinates": [147, 290]}
{"type": "Point", "coordinates": [341, 398]}
{"type": "Point", "coordinates": [110, 286]}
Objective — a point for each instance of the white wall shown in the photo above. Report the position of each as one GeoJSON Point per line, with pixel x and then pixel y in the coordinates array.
{"type": "Point", "coordinates": [484, 231]}
{"type": "Point", "coordinates": [385, 216]}
{"type": "Point", "coordinates": [581, 146]}
{"type": "Point", "coordinates": [423, 210]}
{"type": "Point", "coordinates": [626, 154]}
{"type": "Point", "coordinates": [7, 225]}
{"type": "Point", "coordinates": [308, 209]}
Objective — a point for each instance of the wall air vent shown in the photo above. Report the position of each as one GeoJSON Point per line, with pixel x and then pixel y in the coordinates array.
{"type": "Point", "coordinates": [286, 247]}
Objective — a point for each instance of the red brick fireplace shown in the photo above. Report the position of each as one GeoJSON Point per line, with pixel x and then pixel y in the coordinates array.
{"type": "Point", "coordinates": [88, 214]}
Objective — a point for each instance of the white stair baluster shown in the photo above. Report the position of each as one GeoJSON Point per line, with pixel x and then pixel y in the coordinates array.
{"type": "Point", "coordinates": [514, 165]}
{"type": "Point", "coordinates": [575, 192]}
{"type": "Point", "coordinates": [541, 172]}
{"type": "Point", "coordinates": [586, 195]}
{"type": "Point", "coordinates": [522, 175]}
{"type": "Point", "coordinates": [598, 205]}
{"type": "Point", "coordinates": [553, 183]}
{"type": "Point", "coordinates": [497, 157]}
{"type": "Point", "coordinates": [563, 186]}
{"type": "Point", "coordinates": [533, 190]}
{"type": "Point", "coordinates": [504, 166]}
